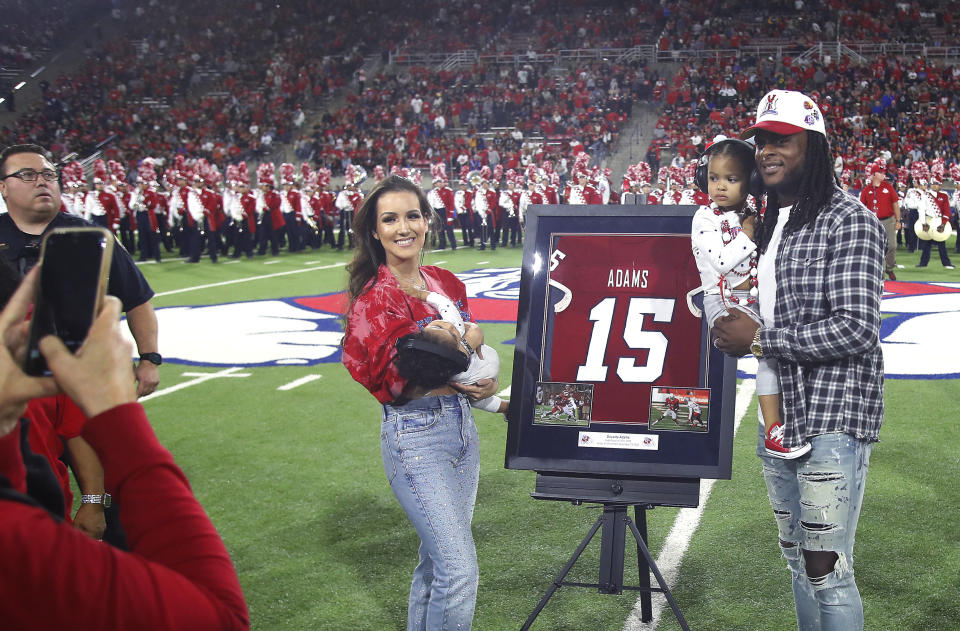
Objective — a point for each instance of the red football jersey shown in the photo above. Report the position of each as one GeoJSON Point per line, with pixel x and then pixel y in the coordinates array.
{"type": "Point", "coordinates": [621, 321]}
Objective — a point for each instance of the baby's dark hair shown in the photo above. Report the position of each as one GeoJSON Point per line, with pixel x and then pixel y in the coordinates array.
{"type": "Point", "coordinates": [740, 151]}
{"type": "Point", "coordinates": [427, 361]}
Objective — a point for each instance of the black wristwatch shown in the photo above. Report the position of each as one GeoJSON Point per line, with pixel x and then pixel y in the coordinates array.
{"type": "Point", "coordinates": [153, 358]}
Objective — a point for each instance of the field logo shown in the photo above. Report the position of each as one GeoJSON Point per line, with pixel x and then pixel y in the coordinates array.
{"type": "Point", "coordinates": [298, 331]}
{"type": "Point", "coordinates": [916, 333]}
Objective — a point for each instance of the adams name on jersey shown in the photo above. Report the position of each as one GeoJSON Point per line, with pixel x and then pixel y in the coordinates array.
{"type": "Point", "coordinates": [617, 318]}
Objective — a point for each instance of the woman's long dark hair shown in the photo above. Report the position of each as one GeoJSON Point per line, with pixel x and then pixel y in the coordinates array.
{"type": "Point", "coordinates": [370, 254]}
{"type": "Point", "coordinates": [817, 186]}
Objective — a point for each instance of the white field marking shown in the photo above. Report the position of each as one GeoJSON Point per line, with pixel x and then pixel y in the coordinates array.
{"type": "Point", "coordinates": [182, 258]}
{"type": "Point", "coordinates": [686, 523]}
{"type": "Point", "coordinates": [310, 262]}
{"type": "Point", "coordinates": [271, 262]}
{"type": "Point", "coordinates": [438, 262]}
{"type": "Point", "coordinates": [200, 377]}
{"type": "Point", "coordinates": [299, 382]}
{"type": "Point", "coordinates": [218, 375]}
{"type": "Point", "coordinates": [231, 262]}
{"type": "Point", "coordinates": [505, 393]}
{"type": "Point", "coordinates": [246, 280]}
{"type": "Point", "coordinates": [483, 262]}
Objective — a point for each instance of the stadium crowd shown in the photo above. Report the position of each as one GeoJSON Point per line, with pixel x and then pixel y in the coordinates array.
{"type": "Point", "coordinates": [226, 86]}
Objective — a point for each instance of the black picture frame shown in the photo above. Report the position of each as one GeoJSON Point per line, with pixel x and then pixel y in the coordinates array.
{"type": "Point", "coordinates": [604, 236]}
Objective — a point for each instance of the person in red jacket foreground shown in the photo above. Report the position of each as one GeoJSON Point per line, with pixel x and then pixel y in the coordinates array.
{"type": "Point", "coordinates": [177, 574]}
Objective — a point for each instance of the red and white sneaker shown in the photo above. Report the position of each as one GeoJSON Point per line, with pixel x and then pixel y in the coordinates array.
{"type": "Point", "coordinates": [774, 444]}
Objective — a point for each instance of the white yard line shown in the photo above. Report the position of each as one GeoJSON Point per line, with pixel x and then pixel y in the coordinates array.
{"type": "Point", "coordinates": [299, 382]}
{"type": "Point", "coordinates": [247, 280]}
{"type": "Point", "coordinates": [160, 262]}
{"type": "Point", "coordinates": [271, 262]}
{"type": "Point", "coordinates": [200, 377]}
{"type": "Point", "coordinates": [684, 526]}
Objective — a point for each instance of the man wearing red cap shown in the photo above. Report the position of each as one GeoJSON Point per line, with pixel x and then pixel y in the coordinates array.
{"type": "Point", "coordinates": [880, 197]}
{"type": "Point", "coordinates": [820, 276]}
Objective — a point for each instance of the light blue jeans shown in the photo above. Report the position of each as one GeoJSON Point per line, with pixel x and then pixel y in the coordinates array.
{"type": "Point", "coordinates": [816, 502]}
{"type": "Point", "coordinates": [432, 461]}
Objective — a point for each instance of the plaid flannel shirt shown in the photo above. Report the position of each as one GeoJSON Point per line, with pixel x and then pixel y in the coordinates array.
{"type": "Point", "coordinates": [826, 336]}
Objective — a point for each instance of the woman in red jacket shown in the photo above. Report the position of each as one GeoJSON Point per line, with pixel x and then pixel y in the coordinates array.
{"type": "Point", "coordinates": [177, 574]}
{"type": "Point", "coordinates": [428, 439]}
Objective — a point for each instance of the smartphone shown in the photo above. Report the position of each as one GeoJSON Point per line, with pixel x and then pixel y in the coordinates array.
{"type": "Point", "coordinates": [74, 270]}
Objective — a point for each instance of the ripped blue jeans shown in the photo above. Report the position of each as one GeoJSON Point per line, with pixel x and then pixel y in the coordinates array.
{"type": "Point", "coordinates": [816, 501]}
{"type": "Point", "coordinates": [430, 452]}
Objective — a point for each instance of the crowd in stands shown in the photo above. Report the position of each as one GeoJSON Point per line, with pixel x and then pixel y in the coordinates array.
{"type": "Point", "coordinates": [26, 30]}
{"type": "Point", "coordinates": [905, 110]}
{"type": "Point", "coordinates": [481, 116]}
{"type": "Point", "coordinates": [229, 83]}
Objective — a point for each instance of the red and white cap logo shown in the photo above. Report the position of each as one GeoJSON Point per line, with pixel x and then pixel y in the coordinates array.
{"type": "Point", "coordinates": [787, 112]}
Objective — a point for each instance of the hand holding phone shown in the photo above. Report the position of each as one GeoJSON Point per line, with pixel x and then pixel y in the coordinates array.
{"type": "Point", "coordinates": [74, 269]}
{"type": "Point", "coordinates": [99, 376]}
{"type": "Point", "coordinates": [16, 388]}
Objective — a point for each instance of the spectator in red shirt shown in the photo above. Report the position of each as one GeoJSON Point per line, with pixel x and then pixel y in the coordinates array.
{"type": "Point", "coordinates": [881, 197]}
{"type": "Point", "coordinates": [177, 575]}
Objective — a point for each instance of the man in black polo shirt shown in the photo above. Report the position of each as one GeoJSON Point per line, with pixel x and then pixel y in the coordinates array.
{"type": "Point", "coordinates": [30, 187]}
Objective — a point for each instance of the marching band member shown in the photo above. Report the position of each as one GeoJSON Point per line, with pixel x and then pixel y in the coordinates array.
{"type": "Point", "coordinates": [441, 199]}
{"type": "Point", "coordinates": [309, 226]}
{"type": "Point", "coordinates": [100, 206]}
{"type": "Point", "coordinates": [463, 205]}
{"type": "Point", "coordinates": [75, 188]}
{"type": "Point", "coordinates": [125, 222]}
{"type": "Point", "coordinates": [581, 192]}
{"type": "Point", "coordinates": [484, 202]}
{"type": "Point", "coordinates": [348, 202]}
{"type": "Point", "coordinates": [143, 202]}
{"type": "Point", "coordinates": [270, 217]}
{"type": "Point", "coordinates": [176, 206]}
{"type": "Point", "coordinates": [192, 220]}
{"type": "Point", "coordinates": [245, 217]}
{"type": "Point", "coordinates": [510, 203]}
{"type": "Point", "coordinates": [290, 207]}
{"type": "Point", "coordinates": [232, 210]}
{"type": "Point", "coordinates": [934, 221]}
{"type": "Point", "coordinates": [603, 185]}
{"type": "Point", "coordinates": [550, 189]}
{"type": "Point", "coordinates": [328, 207]}
{"type": "Point", "coordinates": [530, 197]}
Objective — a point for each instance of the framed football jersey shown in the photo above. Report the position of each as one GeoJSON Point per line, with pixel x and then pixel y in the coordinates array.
{"type": "Point", "coordinates": [613, 372]}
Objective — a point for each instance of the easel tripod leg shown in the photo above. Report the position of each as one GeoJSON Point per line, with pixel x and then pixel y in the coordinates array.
{"type": "Point", "coordinates": [563, 574]}
{"type": "Point", "coordinates": [646, 602]}
{"type": "Point", "coordinates": [656, 572]}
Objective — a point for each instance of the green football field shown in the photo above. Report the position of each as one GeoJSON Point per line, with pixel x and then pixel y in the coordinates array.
{"type": "Point", "coordinates": [286, 461]}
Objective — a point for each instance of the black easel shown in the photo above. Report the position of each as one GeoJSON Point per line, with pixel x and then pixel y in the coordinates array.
{"type": "Point", "coordinates": [616, 496]}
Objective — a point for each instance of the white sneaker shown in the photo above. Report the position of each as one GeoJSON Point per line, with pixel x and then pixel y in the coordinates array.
{"type": "Point", "coordinates": [948, 267]}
